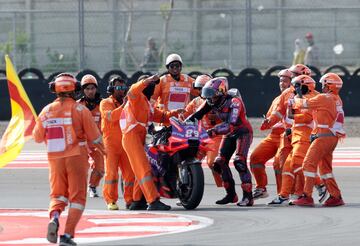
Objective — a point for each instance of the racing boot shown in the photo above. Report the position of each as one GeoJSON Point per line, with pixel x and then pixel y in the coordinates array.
{"type": "Point", "coordinates": [231, 196]}
{"type": "Point", "coordinates": [248, 199]}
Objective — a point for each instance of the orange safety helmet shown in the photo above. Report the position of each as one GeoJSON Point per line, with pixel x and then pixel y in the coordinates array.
{"type": "Point", "coordinates": [304, 80]}
{"type": "Point", "coordinates": [201, 80]}
{"type": "Point", "coordinates": [299, 69]}
{"type": "Point", "coordinates": [285, 73]}
{"type": "Point", "coordinates": [64, 82]}
{"type": "Point", "coordinates": [333, 81]}
{"type": "Point", "coordinates": [88, 79]}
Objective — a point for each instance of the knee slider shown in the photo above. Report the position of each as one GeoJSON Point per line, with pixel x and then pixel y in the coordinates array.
{"type": "Point", "coordinates": [239, 164]}
{"type": "Point", "coordinates": [218, 164]}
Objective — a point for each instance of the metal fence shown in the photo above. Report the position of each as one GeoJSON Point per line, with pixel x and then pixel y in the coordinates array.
{"type": "Point", "coordinates": [80, 36]}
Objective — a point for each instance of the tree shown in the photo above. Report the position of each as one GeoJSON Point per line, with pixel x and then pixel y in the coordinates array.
{"type": "Point", "coordinates": [127, 57]}
{"type": "Point", "coordinates": [166, 12]}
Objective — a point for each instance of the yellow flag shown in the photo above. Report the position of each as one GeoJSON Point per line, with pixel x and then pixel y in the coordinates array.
{"type": "Point", "coordinates": [22, 118]}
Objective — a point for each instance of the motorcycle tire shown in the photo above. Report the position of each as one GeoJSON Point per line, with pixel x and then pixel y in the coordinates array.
{"type": "Point", "coordinates": [190, 196]}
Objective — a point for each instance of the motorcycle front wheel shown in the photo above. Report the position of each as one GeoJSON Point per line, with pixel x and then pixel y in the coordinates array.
{"type": "Point", "coordinates": [191, 191]}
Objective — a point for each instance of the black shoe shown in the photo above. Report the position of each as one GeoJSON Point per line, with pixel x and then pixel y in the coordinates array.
{"type": "Point", "coordinates": [157, 205]}
{"type": "Point", "coordinates": [66, 241]}
{"type": "Point", "coordinates": [138, 205]}
{"type": "Point", "coordinates": [228, 199]}
{"type": "Point", "coordinates": [53, 228]}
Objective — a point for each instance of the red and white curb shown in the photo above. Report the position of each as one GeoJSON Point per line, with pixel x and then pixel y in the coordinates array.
{"type": "Point", "coordinates": [343, 157]}
{"type": "Point", "coordinates": [28, 227]}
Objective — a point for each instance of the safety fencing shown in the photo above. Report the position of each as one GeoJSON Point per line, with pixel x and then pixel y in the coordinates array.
{"type": "Point", "coordinates": [257, 89]}
{"type": "Point", "coordinates": [208, 34]}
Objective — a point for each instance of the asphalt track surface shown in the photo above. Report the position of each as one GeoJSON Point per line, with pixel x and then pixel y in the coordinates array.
{"type": "Point", "coordinates": [24, 187]}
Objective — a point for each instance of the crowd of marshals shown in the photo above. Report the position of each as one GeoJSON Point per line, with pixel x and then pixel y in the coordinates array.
{"type": "Point", "coordinates": [108, 135]}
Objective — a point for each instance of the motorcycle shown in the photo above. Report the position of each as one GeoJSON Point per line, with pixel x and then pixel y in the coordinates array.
{"type": "Point", "coordinates": [173, 157]}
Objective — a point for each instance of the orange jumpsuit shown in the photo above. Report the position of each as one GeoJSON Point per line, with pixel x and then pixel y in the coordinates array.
{"type": "Point", "coordinates": [326, 108]}
{"type": "Point", "coordinates": [209, 121]}
{"type": "Point", "coordinates": [266, 150]}
{"type": "Point", "coordinates": [97, 165]}
{"type": "Point", "coordinates": [279, 114]}
{"type": "Point", "coordinates": [135, 117]}
{"type": "Point", "coordinates": [66, 126]}
{"type": "Point", "coordinates": [300, 142]}
{"type": "Point", "coordinates": [116, 156]}
{"type": "Point", "coordinates": [171, 94]}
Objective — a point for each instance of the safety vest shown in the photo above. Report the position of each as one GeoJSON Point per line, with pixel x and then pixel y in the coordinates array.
{"type": "Point", "coordinates": [338, 127]}
{"type": "Point", "coordinates": [179, 96]}
{"type": "Point", "coordinates": [96, 115]}
{"type": "Point", "coordinates": [60, 134]}
{"type": "Point", "coordinates": [128, 120]}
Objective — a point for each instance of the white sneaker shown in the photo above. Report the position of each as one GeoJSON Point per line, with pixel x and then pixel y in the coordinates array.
{"type": "Point", "coordinates": [322, 192]}
{"type": "Point", "coordinates": [279, 201]}
{"type": "Point", "coordinates": [293, 197]}
{"type": "Point", "coordinates": [260, 193]}
{"type": "Point", "coordinates": [92, 192]}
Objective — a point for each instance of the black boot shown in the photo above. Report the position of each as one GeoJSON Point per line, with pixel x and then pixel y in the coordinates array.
{"type": "Point", "coordinates": [158, 205]}
{"type": "Point", "coordinates": [138, 205]}
{"type": "Point", "coordinates": [231, 196]}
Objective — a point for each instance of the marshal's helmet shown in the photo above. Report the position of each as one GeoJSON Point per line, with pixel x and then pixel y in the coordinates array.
{"type": "Point", "coordinates": [88, 79]}
{"type": "Point", "coordinates": [64, 82]}
{"type": "Point", "coordinates": [333, 81]}
{"type": "Point", "coordinates": [299, 69]}
{"type": "Point", "coordinates": [304, 80]}
{"type": "Point", "coordinates": [201, 80]}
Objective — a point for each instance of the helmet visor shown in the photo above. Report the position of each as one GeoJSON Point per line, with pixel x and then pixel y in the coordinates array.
{"type": "Point", "coordinates": [208, 92]}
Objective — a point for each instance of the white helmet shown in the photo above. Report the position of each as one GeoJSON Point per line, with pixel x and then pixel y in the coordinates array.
{"type": "Point", "coordinates": [171, 58]}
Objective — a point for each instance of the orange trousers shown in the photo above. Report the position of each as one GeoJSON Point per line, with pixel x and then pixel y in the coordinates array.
{"type": "Point", "coordinates": [292, 170]}
{"type": "Point", "coordinates": [68, 184]}
{"type": "Point", "coordinates": [117, 158]}
{"type": "Point", "coordinates": [97, 167]}
{"type": "Point", "coordinates": [320, 154]}
{"type": "Point", "coordinates": [266, 150]}
{"type": "Point", "coordinates": [133, 143]}
{"type": "Point", "coordinates": [283, 152]}
{"type": "Point", "coordinates": [210, 157]}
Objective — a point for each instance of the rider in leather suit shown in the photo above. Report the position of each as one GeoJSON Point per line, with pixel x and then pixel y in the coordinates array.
{"type": "Point", "coordinates": [237, 137]}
